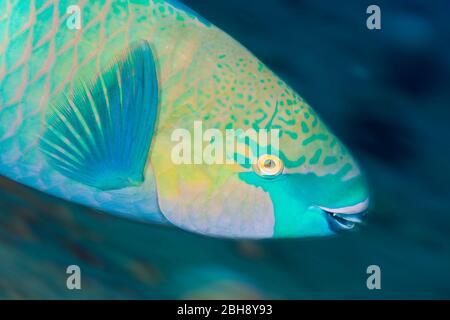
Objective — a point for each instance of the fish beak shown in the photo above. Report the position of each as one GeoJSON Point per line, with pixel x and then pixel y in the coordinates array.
{"type": "Point", "coordinates": [346, 218]}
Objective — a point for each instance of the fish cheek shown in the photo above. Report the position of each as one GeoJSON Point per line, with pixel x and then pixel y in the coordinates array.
{"type": "Point", "coordinates": [211, 199]}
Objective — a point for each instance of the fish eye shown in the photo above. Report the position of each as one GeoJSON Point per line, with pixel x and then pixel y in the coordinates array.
{"type": "Point", "coordinates": [268, 166]}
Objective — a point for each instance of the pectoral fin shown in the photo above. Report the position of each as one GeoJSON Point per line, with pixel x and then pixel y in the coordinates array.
{"type": "Point", "coordinates": [100, 135]}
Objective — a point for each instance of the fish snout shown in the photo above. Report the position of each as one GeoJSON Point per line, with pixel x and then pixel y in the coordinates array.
{"type": "Point", "coordinates": [346, 218]}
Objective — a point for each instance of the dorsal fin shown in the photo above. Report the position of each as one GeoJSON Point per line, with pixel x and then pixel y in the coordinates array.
{"type": "Point", "coordinates": [101, 135]}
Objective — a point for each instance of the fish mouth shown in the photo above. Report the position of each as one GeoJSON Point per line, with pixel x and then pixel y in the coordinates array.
{"type": "Point", "coordinates": [346, 218]}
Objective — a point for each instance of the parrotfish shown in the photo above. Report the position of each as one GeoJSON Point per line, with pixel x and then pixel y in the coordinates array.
{"type": "Point", "coordinates": [87, 114]}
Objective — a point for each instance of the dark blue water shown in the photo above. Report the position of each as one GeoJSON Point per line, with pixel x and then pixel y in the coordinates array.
{"type": "Point", "coordinates": [386, 95]}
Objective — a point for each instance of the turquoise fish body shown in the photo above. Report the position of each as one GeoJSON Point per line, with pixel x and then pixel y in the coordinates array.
{"type": "Point", "coordinates": [88, 115]}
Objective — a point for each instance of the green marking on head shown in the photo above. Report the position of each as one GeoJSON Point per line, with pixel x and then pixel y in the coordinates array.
{"type": "Point", "coordinates": [319, 173]}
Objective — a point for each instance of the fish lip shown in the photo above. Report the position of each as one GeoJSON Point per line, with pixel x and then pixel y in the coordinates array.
{"type": "Point", "coordinates": [346, 218]}
{"type": "Point", "coordinates": [355, 209]}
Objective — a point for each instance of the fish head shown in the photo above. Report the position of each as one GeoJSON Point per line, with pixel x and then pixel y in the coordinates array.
{"type": "Point", "coordinates": [289, 175]}
{"type": "Point", "coordinates": [315, 186]}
